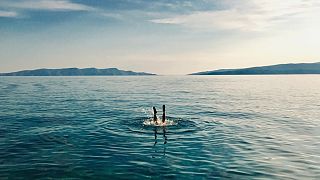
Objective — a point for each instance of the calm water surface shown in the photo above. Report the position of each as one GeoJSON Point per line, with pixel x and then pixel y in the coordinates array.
{"type": "Point", "coordinates": [239, 127]}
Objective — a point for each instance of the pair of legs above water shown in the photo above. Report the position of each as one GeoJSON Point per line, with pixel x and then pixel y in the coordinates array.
{"type": "Point", "coordinates": [163, 114]}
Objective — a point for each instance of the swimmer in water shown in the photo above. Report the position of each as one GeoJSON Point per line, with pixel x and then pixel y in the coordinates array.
{"type": "Point", "coordinates": [154, 114]}
{"type": "Point", "coordinates": [163, 113]}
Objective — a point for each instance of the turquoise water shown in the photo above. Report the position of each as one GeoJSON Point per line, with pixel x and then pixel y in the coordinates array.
{"type": "Point", "coordinates": [239, 127]}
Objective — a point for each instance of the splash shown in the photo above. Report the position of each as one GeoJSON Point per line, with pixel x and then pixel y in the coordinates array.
{"type": "Point", "coordinates": [151, 122]}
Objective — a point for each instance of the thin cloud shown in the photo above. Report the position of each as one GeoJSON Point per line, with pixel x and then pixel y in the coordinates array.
{"type": "Point", "coordinates": [250, 16]}
{"type": "Point", "coordinates": [8, 14]}
{"type": "Point", "coordinates": [50, 5]}
{"type": "Point", "coordinates": [112, 15]}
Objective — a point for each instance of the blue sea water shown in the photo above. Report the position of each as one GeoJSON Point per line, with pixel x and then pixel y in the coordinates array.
{"type": "Point", "coordinates": [235, 127]}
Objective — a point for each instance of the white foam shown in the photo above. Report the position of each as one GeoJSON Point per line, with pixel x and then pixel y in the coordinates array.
{"type": "Point", "coordinates": [151, 122]}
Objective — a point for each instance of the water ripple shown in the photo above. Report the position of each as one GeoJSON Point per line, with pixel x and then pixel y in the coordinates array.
{"type": "Point", "coordinates": [218, 127]}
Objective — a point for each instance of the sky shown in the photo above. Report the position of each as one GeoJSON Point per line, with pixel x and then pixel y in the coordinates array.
{"type": "Point", "coordinates": [158, 36]}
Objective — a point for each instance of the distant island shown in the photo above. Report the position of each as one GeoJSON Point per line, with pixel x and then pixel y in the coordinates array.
{"type": "Point", "coordinates": [76, 72]}
{"type": "Point", "coordinates": [301, 68]}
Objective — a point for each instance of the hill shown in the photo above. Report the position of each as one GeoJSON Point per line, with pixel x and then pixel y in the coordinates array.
{"type": "Point", "coordinates": [301, 68]}
{"type": "Point", "coordinates": [76, 72]}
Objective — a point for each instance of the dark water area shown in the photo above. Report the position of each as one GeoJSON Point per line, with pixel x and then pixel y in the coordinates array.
{"type": "Point", "coordinates": [222, 127]}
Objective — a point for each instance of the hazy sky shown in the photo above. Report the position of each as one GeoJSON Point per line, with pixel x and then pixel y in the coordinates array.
{"type": "Point", "coordinates": [159, 36]}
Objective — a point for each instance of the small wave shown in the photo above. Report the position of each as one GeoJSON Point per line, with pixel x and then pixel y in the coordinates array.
{"type": "Point", "coordinates": [174, 125]}
{"type": "Point", "coordinates": [151, 122]}
{"type": "Point", "coordinates": [235, 115]}
{"type": "Point", "coordinates": [9, 88]}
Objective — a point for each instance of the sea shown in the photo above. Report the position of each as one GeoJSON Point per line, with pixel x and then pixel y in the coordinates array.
{"type": "Point", "coordinates": [217, 127]}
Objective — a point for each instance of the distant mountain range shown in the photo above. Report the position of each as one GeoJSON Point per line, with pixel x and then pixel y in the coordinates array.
{"type": "Point", "coordinates": [301, 68]}
{"type": "Point", "coordinates": [76, 72]}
